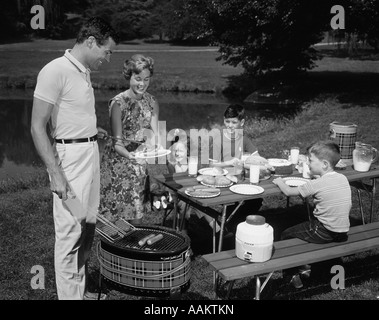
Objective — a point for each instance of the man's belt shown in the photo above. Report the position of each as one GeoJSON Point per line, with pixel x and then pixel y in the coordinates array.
{"type": "Point", "coordinates": [64, 141]}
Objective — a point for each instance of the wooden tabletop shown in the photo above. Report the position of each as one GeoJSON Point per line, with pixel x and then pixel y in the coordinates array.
{"type": "Point", "coordinates": [178, 182]}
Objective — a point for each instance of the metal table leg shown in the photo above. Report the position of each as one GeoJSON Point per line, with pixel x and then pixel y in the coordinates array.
{"type": "Point", "coordinates": [223, 217]}
{"type": "Point", "coordinates": [175, 219]}
{"type": "Point", "coordinates": [257, 287]}
{"type": "Point", "coordinates": [223, 221]}
{"type": "Point", "coordinates": [373, 199]}
{"type": "Point", "coordinates": [371, 190]}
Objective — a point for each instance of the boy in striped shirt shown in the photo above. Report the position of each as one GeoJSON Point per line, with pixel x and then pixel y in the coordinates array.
{"type": "Point", "coordinates": [331, 195]}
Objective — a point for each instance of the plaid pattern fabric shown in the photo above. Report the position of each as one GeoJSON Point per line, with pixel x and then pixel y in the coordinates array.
{"type": "Point", "coordinates": [166, 274]}
{"type": "Point", "coordinates": [345, 135]}
{"type": "Point", "coordinates": [346, 142]}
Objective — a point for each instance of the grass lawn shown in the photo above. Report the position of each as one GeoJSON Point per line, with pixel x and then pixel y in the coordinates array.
{"type": "Point", "coordinates": [176, 67]}
{"type": "Point", "coordinates": [343, 94]}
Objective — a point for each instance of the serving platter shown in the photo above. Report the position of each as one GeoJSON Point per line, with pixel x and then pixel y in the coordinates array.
{"type": "Point", "coordinates": [155, 154]}
{"type": "Point", "coordinates": [246, 189]}
{"type": "Point", "coordinates": [295, 181]}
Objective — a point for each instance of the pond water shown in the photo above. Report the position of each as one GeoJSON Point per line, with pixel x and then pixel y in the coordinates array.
{"type": "Point", "coordinates": [180, 110]}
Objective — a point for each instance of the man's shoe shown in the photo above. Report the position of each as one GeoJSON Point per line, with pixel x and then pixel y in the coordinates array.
{"type": "Point", "coordinates": [94, 296]}
{"type": "Point", "coordinates": [296, 281]}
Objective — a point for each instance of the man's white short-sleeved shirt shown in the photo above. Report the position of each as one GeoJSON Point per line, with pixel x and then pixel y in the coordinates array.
{"type": "Point", "coordinates": [65, 83]}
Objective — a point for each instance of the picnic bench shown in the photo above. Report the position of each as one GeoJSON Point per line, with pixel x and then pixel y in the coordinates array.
{"type": "Point", "coordinates": [287, 254]}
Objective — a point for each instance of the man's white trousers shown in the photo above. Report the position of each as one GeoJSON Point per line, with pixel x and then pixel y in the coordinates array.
{"type": "Point", "coordinates": [74, 236]}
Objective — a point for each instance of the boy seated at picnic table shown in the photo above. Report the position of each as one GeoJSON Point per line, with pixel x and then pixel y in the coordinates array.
{"type": "Point", "coordinates": [331, 195]}
{"type": "Point", "coordinates": [234, 144]}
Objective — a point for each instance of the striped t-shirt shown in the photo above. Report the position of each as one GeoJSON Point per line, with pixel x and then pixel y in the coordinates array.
{"type": "Point", "coordinates": [332, 199]}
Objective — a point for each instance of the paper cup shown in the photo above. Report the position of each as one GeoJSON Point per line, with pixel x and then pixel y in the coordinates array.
{"type": "Point", "coordinates": [254, 174]}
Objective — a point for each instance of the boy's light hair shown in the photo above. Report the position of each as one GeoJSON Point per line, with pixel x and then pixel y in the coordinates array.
{"type": "Point", "coordinates": [326, 150]}
{"type": "Point", "coordinates": [235, 111]}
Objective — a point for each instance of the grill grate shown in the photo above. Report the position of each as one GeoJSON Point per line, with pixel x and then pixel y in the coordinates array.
{"type": "Point", "coordinates": [112, 231]}
{"type": "Point", "coordinates": [169, 241]}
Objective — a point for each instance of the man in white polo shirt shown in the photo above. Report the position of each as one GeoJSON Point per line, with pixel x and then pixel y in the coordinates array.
{"type": "Point", "coordinates": [64, 98]}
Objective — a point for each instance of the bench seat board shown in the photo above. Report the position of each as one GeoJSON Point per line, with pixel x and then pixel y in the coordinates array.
{"type": "Point", "coordinates": [295, 252]}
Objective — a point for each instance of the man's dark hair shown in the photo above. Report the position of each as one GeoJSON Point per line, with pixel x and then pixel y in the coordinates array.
{"type": "Point", "coordinates": [99, 29]}
{"type": "Point", "coordinates": [235, 111]}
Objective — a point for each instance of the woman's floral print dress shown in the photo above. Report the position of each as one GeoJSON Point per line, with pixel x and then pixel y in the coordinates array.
{"type": "Point", "coordinates": [124, 183]}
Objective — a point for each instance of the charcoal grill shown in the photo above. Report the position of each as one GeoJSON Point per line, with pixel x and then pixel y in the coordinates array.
{"type": "Point", "coordinates": [160, 269]}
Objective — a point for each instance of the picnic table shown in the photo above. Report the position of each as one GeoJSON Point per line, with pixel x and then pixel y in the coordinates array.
{"type": "Point", "coordinates": [178, 182]}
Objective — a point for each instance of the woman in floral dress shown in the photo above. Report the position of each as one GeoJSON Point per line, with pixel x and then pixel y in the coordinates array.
{"type": "Point", "coordinates": [124, 179]}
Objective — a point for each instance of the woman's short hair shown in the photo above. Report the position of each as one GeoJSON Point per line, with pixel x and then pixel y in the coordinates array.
{"type": "Point", "coordinates": [235, 111]}
{"type": "Point", "coordinates": [136, 64]}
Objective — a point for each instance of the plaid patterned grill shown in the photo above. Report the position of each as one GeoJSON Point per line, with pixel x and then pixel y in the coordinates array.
{"type": "Point", "coordinates": [154, 268]}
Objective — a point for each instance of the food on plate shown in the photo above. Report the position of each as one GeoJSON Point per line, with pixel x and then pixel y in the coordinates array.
{"type": "Point", "coordinates": [215, 171]}
{"type": "Point", "coordinates": [217, 180]}
{"type": "Point", "coordinates": [151, 151]}
{"type": "Point", "coordinates": [222, 181]}
{"type": "Point", "coordinates": [281, 166]}
{"type": "Point", "coordinates": [258, 160]}
{"type": "Point", "coordinates": [209, 179]}
{"type": "Point", "coordinates": [264, 173]}
{"type": "Point", "coordinates": [200, 177]}
{"type": "Point", "coordinates": [232, 178]}
{"type": "Point", "coordinates": [202, 191]}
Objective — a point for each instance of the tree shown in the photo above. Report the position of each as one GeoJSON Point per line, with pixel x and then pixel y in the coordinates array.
{"type": "Point", "coordinates": [363, 20]}
{"type": "Point", "coordinates": [126, 16]}
{"type": "Point", "coordinates": [172, 19]}
{"type": "Point", "coordinates": [266, 35]}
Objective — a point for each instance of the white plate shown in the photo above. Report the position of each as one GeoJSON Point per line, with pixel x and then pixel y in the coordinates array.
{"type": "Point", "coordinates": [210, 172]}
{"type": "Point", "coordinates": [246, 189]}
{"type": "Point", "coordinates": [217, 185]}
{"type": "Point", "coordinates": [203, 196]}
{"type": "Point", "coordinates": [295, 181]}
{"type": "Point", "coordinates": [160, 153]}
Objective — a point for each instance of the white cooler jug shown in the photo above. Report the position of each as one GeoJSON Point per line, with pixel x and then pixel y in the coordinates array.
{"type": "Point", "coordinates": [254, 239]}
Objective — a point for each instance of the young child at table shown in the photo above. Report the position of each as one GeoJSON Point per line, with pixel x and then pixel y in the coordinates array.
{"type": "Point", "coordinates": [331, 195]}
{"type": "Point", "coordinates": [177, 163]}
